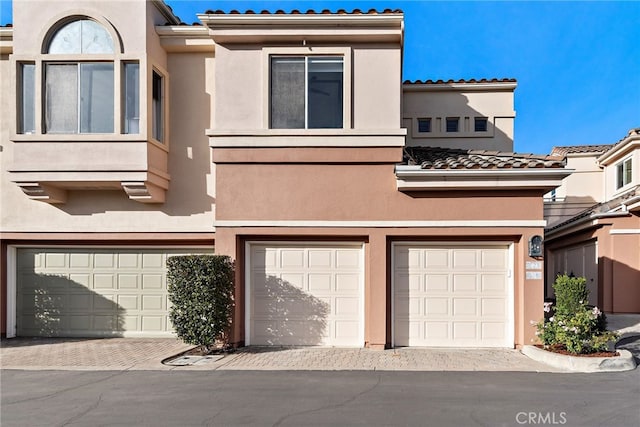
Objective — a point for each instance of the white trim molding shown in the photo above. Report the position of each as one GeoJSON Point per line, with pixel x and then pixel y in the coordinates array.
{"type": "Point", "coordinates": [625, 231]}
{"type": "Point", "coordinates": [383, 224]}
{"type": "Point", "coordinates": [414, 178]}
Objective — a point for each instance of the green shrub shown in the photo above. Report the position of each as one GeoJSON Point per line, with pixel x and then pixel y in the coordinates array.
{"type": "Point", "coordinates": [201, 293]}
{"type": "Point", "coordinates": [574, 325]}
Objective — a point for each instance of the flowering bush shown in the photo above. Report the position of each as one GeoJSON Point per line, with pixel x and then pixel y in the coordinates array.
{"type": "Point", "coordinates": [574, 325]}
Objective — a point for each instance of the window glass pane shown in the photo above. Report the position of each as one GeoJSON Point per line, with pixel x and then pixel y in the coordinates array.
{"type": "Point", "coordinates": [157, 107]}
{"type": "Point", "coordinates": [61, 98]}
{"type": "Point", "coordinates": [27, 101]}
{"type": "Point", "coordinates": [627, 172]}
{"type": "Point", "coordinates": [96, 98]}
{"type": "Point", "coordinates": [452, 124]}
{"type": "Point", "coordinates": [480, 124]}
{"type": "Point", "coordinates": [424, 125]}
{"type": "Point", "coordinates": [82, 36]}
{"type": "Point", "coordinates": [67, 39]}
{"type": "Point", "coordinates": [324, 96]}
{"type": "Point", "coordinates": [287, 93]}
{"type": "Point", "coordinates": [95, 38]}
{"type": "Point", "coordinates": [131, 97]}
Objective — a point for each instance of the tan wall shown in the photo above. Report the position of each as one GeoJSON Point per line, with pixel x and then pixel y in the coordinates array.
{"type": "Point", "coordinates": [353, 192]}
{"type": "Point", "coordinates": [618, 261]}
{"type": "Point", "coordinates": [191, 195]}
{"type": "Point", "coordinates": [497, 106]}
{"type": "Point", "coordinates": [242, 90]}
{"type": "Point", "coordinates": [528, 294]}
{"type": "Point", "coordinates": [33, 19]}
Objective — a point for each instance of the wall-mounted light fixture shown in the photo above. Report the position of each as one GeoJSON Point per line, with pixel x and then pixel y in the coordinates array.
{"type": "Point", "coordinates": [535, 246]}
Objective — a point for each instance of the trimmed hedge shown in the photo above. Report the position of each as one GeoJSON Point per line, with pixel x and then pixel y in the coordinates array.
{"type": "Point", "coordinates": [201, 293]}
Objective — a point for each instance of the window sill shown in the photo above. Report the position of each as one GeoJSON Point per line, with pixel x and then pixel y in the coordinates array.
{"type": "Point", "coordinates": [307, 138]}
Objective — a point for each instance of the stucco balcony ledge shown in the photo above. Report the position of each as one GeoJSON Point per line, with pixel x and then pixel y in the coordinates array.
{"type": "Point", "coordinates": [46, 170]}
{"type": "Point", "coordinates": [306, 138]}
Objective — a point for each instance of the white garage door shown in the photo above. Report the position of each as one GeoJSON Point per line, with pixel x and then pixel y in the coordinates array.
{"type": "Point", "coordinates": [452, 296]}
{"type": "Point", "coordinates": [305, 295]}
{"type": "Point", "coordinates": [92, 292]}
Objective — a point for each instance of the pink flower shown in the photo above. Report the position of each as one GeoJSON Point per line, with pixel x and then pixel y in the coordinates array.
{"type": "Point", "coordinates": [596, 311]}
{"type": "Point", "coordinates": [547, 307]}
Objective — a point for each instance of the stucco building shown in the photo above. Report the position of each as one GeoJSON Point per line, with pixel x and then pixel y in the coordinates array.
{"type": "Point", "coordinates": [594, 223]}
{"type": "Point", "coordinates": [360, 210]}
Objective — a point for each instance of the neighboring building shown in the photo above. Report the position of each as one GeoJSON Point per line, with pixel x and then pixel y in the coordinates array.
{"type": "Point", "coordinates": [128, 137]}
{"type": "Point", "coordinates": [594, 223]}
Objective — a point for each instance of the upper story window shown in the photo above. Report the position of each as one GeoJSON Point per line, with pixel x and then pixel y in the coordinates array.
{"type": "Point", "coordinates": [80, 84]}
{"type": "Point", "coordinates": [306, 92]}
{"type": "Point", "coordinates": [424, 125]}
{"type": "Point", "coordinates": [480, 124]}
{"type": "Point", "coordinates": [81, 36]}
{"type": "Point", "coordinates": [453, 124]}
{"type": "Point", "coordinates": [623, 173]}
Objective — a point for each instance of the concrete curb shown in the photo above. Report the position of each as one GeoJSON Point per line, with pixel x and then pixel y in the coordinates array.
{"type": "Point", "coordinates": [624, 362]}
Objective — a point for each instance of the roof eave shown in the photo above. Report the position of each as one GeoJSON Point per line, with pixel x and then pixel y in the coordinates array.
{"type": "Point", "coordinates": [414, 178]}
{"type": "Point", "coordinates": [6, 40]}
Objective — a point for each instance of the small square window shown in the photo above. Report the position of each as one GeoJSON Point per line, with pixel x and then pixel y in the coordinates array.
{"type": "Point", "coordinates": [453, 124]}
{"type": "Point", "coordinates": [424, 125]}
{"type": "Point", "coordinates": [480, 124]}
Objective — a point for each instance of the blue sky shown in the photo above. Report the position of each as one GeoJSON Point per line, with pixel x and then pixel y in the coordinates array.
{"type": "Point", "coordinates": [577, 63]}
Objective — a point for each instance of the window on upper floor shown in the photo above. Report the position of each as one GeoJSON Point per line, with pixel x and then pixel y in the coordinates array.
{"type": "Point", "coordinates": [157, 106]}
{"type": "Point", "coordinates": [480, 124]}
{"type": "Point", "coordinates": [306, 92]}
{"type": "Point", "coordinates": [77, 80]}
{"type": "Point", "coordinates": [623, 173]}
{"type": "Point", "coordinates": [453, 124]}
{"type": "Point", "coordinates": [424, 125]}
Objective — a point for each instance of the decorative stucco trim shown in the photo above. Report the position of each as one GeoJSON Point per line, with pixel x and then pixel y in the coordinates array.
{"type": "Point", "coordinates": [414, 178]}
{"type": "Point", "coordinates": [625, 231]}
{"type": "Point", "coordinates": [382, 224]}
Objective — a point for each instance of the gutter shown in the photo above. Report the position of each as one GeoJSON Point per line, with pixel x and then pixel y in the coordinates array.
{"type": "Point", "coordinates": [404, 171]}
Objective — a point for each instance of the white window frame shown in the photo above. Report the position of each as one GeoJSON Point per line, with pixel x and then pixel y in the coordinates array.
{"type": "Point", "coordinates": [623, 163]}
{"type": "Point", "coordinates": [307, 51]}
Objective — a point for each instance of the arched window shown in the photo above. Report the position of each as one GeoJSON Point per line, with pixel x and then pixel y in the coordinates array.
{"type": "Point", "coordinates": [81, 36]}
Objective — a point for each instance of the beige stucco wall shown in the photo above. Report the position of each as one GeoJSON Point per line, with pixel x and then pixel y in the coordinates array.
{"type": "Point", "coordinates": [579, 191]}
{"type": "Point", "coordinates": [440, 102]}
{"type": "Point", "coordinates": [191, 194]}
{"type": "Point", "coordinates": [242, 82]}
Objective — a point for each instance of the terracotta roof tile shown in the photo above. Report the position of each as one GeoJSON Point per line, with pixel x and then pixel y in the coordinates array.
{"type": "Point", "coordinates": [451, 81]}
{"type": "Point", "coordinates": [599, 208]}
{"type": "Point", "coordinates": [308, 12]}
{"type": "Point", "coordinates": [448, 158]}
{"type": "Point", "coordinates": [577, 149]}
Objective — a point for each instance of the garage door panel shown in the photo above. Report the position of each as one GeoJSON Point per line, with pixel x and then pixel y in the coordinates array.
{"type": "Point", "coordinates": [464, 283]}
{"type": "Point", "coordinates": [494, 259]}
{"type": "Point", "coordinates": [320, 258]}
{"type": "Point", "coordinates": [347, 282]}
{"type": "Point", "coordinates": [493, 283]}
{"type": "Point", "coordinates": [320, 282]}
{"type": "Point", "coordinates": [464, 259]}
{"type": "Point", "coordinates": [93, 292]}
{"type": "Point", "coordinates": [465, 307]}
{"type": "Point", "coordinates": [306, 295]}
{"type": "Point", "coordinates": [434, 282]}
{"type": "Point", "coordinates": [493, 307]}
{"type": "Point", "coordinates": [464, 300]}
{"type": "Point", "coordinates": [346, 259]}
{"type": "Point", "coordinates": [436, 306]}
{"type": "Point", "coordinates": [435, 259]}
